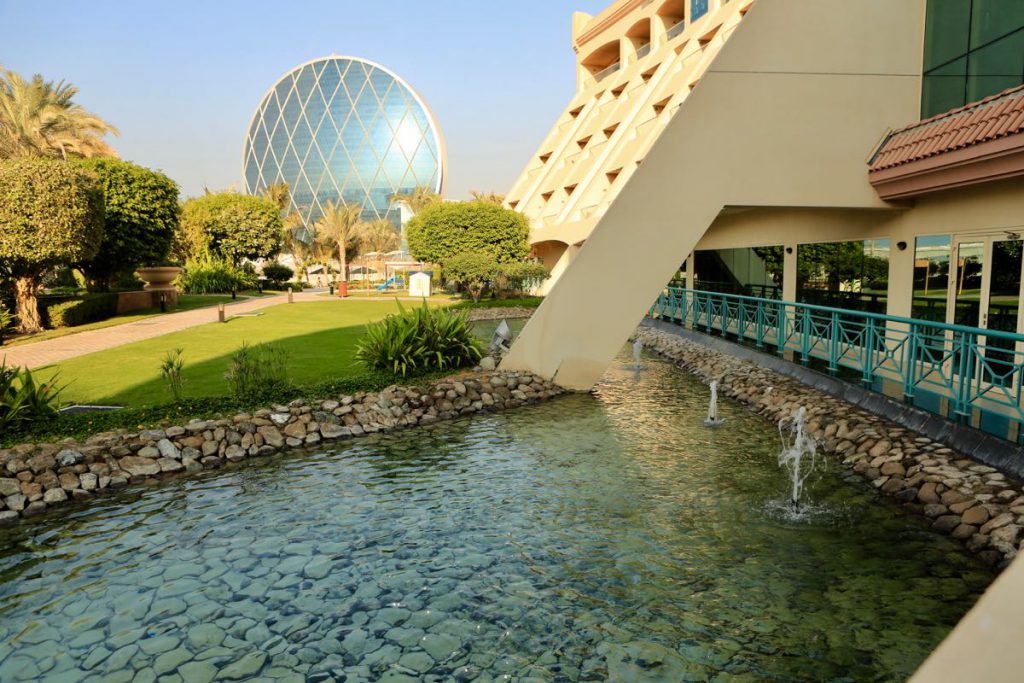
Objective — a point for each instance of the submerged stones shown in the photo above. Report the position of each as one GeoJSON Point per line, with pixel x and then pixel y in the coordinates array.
{"type": "Point", "coordinates": [972, 502]}
{"type": "Point", "coordinates": [43, 476]}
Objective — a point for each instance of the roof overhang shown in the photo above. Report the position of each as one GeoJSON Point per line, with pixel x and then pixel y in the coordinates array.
{"type": "Point", "coordinates": [983, 163]}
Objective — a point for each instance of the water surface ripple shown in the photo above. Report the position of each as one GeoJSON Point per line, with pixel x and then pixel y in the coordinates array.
{"type": "Point", "coordinates": [595, 537]}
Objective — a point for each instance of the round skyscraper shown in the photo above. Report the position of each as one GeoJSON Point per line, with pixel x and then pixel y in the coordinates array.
{"type": "Point", "coordinates": [343, 128]}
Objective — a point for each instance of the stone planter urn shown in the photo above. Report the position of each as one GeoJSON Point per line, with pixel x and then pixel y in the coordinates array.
{"type": "Point", "coordinates": [159, 278]}
{"type": "Point", "coordinates": [160, 286]}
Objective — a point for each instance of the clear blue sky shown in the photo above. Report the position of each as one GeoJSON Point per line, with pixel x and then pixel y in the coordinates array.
{"type": "Point", "coordinates": [181, 79]}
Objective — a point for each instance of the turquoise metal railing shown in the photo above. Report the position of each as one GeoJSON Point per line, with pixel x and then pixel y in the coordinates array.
{"type": "Point", "coordinates": [971, 375]}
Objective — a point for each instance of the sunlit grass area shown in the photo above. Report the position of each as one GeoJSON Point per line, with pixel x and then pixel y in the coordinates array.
{"type": "Point", "coordinates": [319, 338]}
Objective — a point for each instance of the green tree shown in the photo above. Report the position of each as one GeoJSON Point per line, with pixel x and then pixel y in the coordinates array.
{"type": "Point", "coordinates": [231, 226]}
{"type": "Point", "coordinates": [280, 194]}
{"type": "Point", "coordinates": [51, 214]}
{"type": "Point", "coordinates": [472, 271]}
{"type": "Point", "coordinates": [338, 226]}
{"type": "Point", "coordinates": [40, 118]}
{"type": "Point", "coordinates": [142, 213]}
{"type": "Point", "coordinates": [444, 230]}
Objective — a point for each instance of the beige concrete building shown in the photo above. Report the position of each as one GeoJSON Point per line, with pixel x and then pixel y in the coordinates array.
{"type": "Point", "coordinates": [781, 135]}
{"type": "Point", "coordinates": [636, 63]}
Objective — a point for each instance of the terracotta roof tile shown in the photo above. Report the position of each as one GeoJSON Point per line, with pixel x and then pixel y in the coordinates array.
{"type": "Point", "coordinates": [992, 118]}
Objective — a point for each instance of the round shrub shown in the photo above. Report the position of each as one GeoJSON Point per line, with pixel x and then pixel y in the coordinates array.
{"type": "Point", "coordinates": [443, 230]}
{"type": "Point", "coordinates": [277, 274]}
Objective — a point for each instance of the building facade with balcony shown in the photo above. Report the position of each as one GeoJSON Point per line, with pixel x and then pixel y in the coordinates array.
{"type": "Point", "coordinates": [636, 62]}
{"type": "Point", "coordinates": [840, 182]}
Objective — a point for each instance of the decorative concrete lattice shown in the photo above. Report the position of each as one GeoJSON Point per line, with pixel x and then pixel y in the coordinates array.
{"type": "Point", "coordinates": [342, 128]}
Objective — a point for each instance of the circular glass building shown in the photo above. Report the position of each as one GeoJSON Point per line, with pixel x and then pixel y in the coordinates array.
{"type": "Point", "coordinates": [343, 128]}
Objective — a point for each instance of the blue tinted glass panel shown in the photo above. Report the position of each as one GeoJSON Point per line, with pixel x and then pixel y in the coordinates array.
{"type": "Point", "coordinates": [698, 8]}
{"type": "Point", "coordinates": [345, 131]}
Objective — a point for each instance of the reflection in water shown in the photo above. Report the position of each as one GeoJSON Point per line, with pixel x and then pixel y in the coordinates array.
{"type": "Point", "coordinates": [605, 536]}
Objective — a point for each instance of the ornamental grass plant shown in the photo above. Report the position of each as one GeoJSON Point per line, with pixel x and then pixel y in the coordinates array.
{"type": "Point", "coordinates": [419, 340]}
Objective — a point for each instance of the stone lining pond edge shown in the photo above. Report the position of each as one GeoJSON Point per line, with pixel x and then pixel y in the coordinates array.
{"type": "Point", "coordinates": [973, 502]}
{"type": "Point", "coordinates": [35, 478]}
{"type": "Point", "coordinates": [985, 448]}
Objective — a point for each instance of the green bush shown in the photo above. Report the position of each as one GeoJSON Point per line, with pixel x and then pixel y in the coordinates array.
{"type": "Point", "coordinates": [257, 371]}
{"type": "Point", "coordinates": [212, 276]}
{"type": "Point", "coordinates": [419, 340]}
{"type": "Point", "coordinates": [6, 321]}
{"type": "Point", "coordinates": [516, 278]}
{"type": "Point", "coordinates": [444, 230]}
{"type": "Point", "coordinates": [473, 272]}
{"type": "Point", "coordinates": [277, 274]}
{"type": "Point", "coordinates": [23, 400]}
{"type": "Point", "coordinates": [231, 227]}
{"type": "Point", "coordinates": [87, 308]}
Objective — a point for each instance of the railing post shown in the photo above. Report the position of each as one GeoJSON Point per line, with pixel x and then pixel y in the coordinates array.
{"type": "Point", "coordinates": [805, 337]}
{"type": "Point", "coordinates": [833, 344]}
{"type": "Point", "coordinates": [965, 378]}
{"type": "Point", "coordinates": [867, 361]}
{"type": "Point", "coordinates": [759, 328]}
{"type": "Point", "coordinates": [910, 363]}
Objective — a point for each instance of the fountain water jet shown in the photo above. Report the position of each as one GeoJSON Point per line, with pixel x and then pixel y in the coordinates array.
{"type": "Point", "coordinates": [712, 419]}
{"type": "Point", "coordinates": [794, 452]}
{"type": "Point", "coordinates": [638, 348]}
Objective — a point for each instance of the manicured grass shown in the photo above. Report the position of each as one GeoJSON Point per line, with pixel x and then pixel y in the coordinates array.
{"type": "Point", "coordinates": [319, 337]}
{"type": "Point", "coordinates": [186, 302]}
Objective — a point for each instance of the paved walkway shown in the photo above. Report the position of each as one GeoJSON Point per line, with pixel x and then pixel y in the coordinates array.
{"type": "Point", "coordinates": [38, 354]}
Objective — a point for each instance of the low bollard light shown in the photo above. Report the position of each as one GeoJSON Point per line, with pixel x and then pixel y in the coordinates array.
{"type": "Point", "coordinates": [331, 288]}
{"type": "Point", "coordinates": [220, 313]}
{"type": "Point", "coordinates": [163, 303]}
{"type": "Point", "coordinates": [290, 295]}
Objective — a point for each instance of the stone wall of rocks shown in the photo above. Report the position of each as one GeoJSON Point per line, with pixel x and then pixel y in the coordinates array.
{"type": "Point", "coordinates": [974, 503]}
{"type": "Point", "coordinates": [37, 477]}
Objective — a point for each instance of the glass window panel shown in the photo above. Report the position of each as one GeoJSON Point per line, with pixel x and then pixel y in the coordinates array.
{"type": "Point", "coordinates": [993, 19]}
{"type": "Point", "coordinates": [698, 8]}
{"type": "Point", "coordinates": [1003, 308]}
{"type": "Point", "coordinates": [996, 67]}
{"type": "Point", "coordinates": [944, 88]}
{"type": "Point", "coordinates": [970, 256]}
{"type": "Point", "coordinates": [931, 278]}
{"type": "Point", "coordinates": [305, 83]}
{"type": "Point", "coordinates": [747, 271]}
{"type": "Point", "coordinates": [315, 109]}
{"type": "Point", "coordinates": [851, 275]}
{"type": "Point", "coordinates": [946, 26]}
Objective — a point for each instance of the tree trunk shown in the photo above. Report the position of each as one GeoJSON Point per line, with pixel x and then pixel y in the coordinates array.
{"type": "Point", "coordinates": [27, 306]}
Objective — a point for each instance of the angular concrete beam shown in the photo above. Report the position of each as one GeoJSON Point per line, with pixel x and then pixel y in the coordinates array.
{"type": "Point", "coordinates": [787, 115]}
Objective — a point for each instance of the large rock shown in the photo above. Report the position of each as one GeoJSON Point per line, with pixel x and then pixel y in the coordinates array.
{"type": "Point", "coordinates": [976, 515]}
{"type": "Point", "coordinates": [9, 487]}
{"type": "Point", "coordinates": [69, 458]}
{"type": "Point", "coordinates": [296, 430]}
{"type": "Point", "coordinates": [41, 463]}
{"type": "Point", "coordinates": [272, 435]}
{"type": "Point", "coordinates": [168, 449]}
{"type": "Point", "coordinates": [138, 466]}
{"type": "Point", "coordinates": [927, 494]}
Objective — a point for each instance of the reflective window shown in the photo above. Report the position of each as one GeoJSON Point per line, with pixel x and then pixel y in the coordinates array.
{"type": "Point", "coordinates": [753, 271]}
{"type": "Point", "coordinates": [341, 128]}
{"type": "Point", "coordinates": [850, 275]}
{"type": "Point", "coordinates": [973, 49]}
{"type": "Point", "coordinates": [931, 277]}
{"type": "Point", "coordinates": [698, 8]}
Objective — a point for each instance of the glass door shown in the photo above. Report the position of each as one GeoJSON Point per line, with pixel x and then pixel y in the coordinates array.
{"type": "Point", "coordinates": [986, 293]}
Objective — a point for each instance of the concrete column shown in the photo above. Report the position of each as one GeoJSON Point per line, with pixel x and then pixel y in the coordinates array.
{"type": "Point", "coordinates": [789, 272]}
{"type": "Point", "coordinates": [901, 277]}
{"type": "Point", "coordinates": [691, 264]}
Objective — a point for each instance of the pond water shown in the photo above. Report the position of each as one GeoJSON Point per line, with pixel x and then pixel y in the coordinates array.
{"type": "Point", "coordinates": [604, 537]}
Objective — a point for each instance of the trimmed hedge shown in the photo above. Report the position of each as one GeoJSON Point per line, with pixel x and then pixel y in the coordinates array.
{"type": "Point", "coordinates": [89, 308]}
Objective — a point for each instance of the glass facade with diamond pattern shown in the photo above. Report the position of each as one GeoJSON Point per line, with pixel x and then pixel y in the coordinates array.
{"type": "Point", "coordinates": [343, 128]}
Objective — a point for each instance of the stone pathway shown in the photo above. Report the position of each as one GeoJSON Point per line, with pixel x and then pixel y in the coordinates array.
{"type": "Point", "coordinates": [49, 351]}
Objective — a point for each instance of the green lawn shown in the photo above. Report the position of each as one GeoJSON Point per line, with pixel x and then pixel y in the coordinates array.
{"type": "Point", "coordinates": [319, 337]}
{"type": "Point", "coordinates": [186, 302]}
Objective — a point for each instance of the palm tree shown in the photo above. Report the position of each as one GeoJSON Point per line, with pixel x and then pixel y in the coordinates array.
{"type": "Point", "coordinates": [419, 198]}
{"type": "Point", "coordinates": [377, 237]}
{"type": "Point", "coordinates": [280, 194]}
{"type": "Point", "coordinates": [338, 225]}
{"type": "Point", "coordinates": [489, 197]}
{"type": "Point", "coordinates": [299, 239]}
{"type": "Point", "coordinates": [40, 118]}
